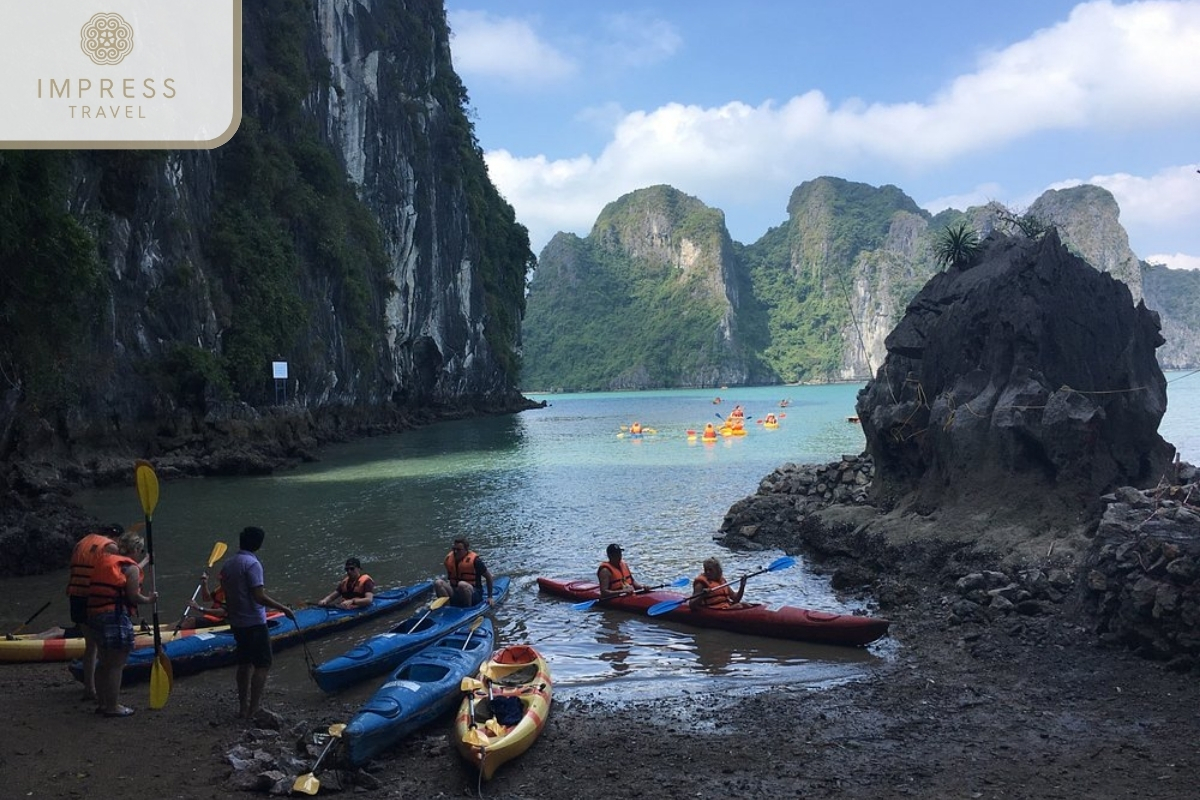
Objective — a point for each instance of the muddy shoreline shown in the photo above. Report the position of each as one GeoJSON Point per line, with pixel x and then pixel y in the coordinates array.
{"type": "Point", "coordinates": [1029, 710]}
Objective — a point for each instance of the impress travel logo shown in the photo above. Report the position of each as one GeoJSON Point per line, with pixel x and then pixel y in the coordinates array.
{"type": "Point", "coordinates": [139, 74]}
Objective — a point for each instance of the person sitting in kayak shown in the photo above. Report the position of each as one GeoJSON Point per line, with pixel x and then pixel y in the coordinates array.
{"type": "Point", "coordinates": [356, 590]}
{"type": "Point", "coordinates": [635, 429]}
{"type": "Point", "coordinates": [710, 432]}
{"type": "Point", "coordinates": [770, 419]}
{"type": "Point", "coordinates": [214, 613]}
{"type": "Point", "coordinates": [614, 576]}
{"type": "Point", "coordinates": [709, 589]}
{"type": "Point", "coordinates": [465, 575]}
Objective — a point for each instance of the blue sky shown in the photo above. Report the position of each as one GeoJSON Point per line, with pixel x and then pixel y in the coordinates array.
{"type": "Point", "coordinates": [956, 103]}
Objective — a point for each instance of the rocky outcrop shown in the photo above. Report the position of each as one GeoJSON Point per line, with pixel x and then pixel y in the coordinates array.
{"type": "Point", "coordinates": [1026, 385]}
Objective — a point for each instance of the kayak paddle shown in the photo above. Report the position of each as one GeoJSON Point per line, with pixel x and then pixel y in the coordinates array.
{"type": "Point", "coordinates": [160, 672]}
{"type": "Point", "coordinates": [218, 550]}
{"type": "Point", "coordinates": [308, 782]}
{"type": "Point", "coordinates": [32, 617]}
{"type": "Point", "coordinates": [474, 627]}
{"type": "Point", "coordinates": [678, 583]}
{"type": "Point", "coordinates": [438, 603]}
{"type": "Point", "coordinates": [782, 562]}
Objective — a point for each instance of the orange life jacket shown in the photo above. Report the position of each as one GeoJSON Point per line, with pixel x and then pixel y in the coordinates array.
{"type": "Point", "coordinates": [83, 560]}
{"type": "Point", "coordinates": [635, 427]}
{"type": "Point", "coordinates": [107, 590]}
{"type": "Point", "coordinates": [218, 602]}
{"type": "Point", "coordinates": [348, 592]}
{"type": "Point", "coordinates": [462, 570]}
{"type": "Point", "coordinates": [709, 431]}
{"type": "Point", "coordinates": [622, 577]}
{"type": "Point", "coordinates": [718, 595]}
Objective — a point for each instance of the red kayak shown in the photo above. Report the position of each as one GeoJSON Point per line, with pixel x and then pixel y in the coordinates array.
{"type": "Point", "coordinates": [786, 622]}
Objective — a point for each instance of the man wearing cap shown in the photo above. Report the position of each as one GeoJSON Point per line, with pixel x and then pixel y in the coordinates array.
{"type": "Point", "coordinates": [356, 590]}
{"type": "Point", "coordinates": [614, 575]}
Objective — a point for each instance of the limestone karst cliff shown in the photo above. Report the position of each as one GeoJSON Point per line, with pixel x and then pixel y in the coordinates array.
{"type": "Point", "coordinates": [812, 300]}
{"type": "Point", "coordinates": [348, 229]}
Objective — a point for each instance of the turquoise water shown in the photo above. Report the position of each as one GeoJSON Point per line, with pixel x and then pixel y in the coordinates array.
{"type": "Point", "coordinates": [540, 493]}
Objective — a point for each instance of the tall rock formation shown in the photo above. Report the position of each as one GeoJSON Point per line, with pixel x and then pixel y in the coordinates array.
{"type": "Point", "coordinates": [1088, 221]}
{"type": "Point", "coordinates": [653, 297]}
{"type": "Point", "coordinates": [1026, 385]}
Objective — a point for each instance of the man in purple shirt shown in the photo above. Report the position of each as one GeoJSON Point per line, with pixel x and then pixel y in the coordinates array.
{"type": "Point", "coordinates": [247, 602]}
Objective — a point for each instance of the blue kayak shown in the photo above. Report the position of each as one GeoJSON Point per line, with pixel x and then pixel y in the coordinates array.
{"type": "Point", "coordinates": [216, 648]}
{"type": "Point", "coordinates": [423, 688]}
{"type": "Point", "coordinates": [384, 652]}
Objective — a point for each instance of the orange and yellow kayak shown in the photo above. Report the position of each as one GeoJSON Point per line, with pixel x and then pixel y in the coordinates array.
{"type": "Point", "coordinates": [502, 718]}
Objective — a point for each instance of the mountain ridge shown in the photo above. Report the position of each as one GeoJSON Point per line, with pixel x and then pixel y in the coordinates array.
{"type": "Point", "coordinates": [811, 300]}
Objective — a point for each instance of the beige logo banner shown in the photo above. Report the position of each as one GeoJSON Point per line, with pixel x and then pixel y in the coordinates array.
{"type": "Point", "coordinates": [135, 74]}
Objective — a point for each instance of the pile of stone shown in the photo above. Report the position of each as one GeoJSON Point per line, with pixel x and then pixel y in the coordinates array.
{"type": "Point", "coordinates": [1142, 580]}
{"type": "Point", "coordinates": [845, 481]}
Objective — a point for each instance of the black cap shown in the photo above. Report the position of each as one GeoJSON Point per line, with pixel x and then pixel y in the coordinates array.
{"type": "Point", "coordinates": [353, 562]}
{"type": "Point", "coordinates": [615, 548]}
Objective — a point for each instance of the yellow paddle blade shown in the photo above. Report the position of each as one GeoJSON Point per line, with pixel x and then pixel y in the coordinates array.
{"type": "Point", "coordinates": [160, 681]}
{"type": "Point", "coordinates": [147, 486]}
{"type": "Point", "coordinates": [307, 783]}
{"type": "Point", "coordinates": [470, 685]}
{"type": "Point", "coordinates": [337, 728]}
{"type": "Point", "coordinates": [218, 550]}
{"type": "Point", "coordinates": [474, 738]}
{"type": "Point", "coordinates": [441, 601]}
{"type": "Point", "coordinates": [494, 727]}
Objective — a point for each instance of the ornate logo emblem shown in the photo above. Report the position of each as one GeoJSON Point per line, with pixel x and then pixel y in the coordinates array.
{"type": "Point", "coordinates": [106, 38]}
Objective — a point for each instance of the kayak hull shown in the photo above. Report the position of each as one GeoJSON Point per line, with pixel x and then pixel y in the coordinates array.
{"type": "Point", "coordinates": [211, 647]}
{"type": "Point", "coordinates": [516, 671]}
{"type": "Point", "coordinates": [384, 652]}
{"type": "Point", "coordinates": [786, 622]}
{"type": "Point", "coordinates": [424, 687]}
{"type": "Point", "coordinates": [27, 647]}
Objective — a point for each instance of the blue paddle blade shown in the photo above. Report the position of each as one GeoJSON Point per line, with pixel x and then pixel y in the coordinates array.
{"type": "Point", "coordinates": [679, 583]}
{"type": "Point", "coordinates": [665, 606]}
{"type": "Point", "coordinates": [585, 605]}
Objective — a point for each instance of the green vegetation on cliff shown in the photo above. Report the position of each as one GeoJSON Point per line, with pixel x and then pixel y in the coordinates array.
{"type": "Point", "coordinates": [637, 304]}
{"type": "Point", "coordinates": [50, 284]}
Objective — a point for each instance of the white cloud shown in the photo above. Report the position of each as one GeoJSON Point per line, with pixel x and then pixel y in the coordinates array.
{"type": "Point", "coordinates": [1106, 68]}
{"type": "Point", "coordinates": [1175, 260]}
{"type": "Point", "coordinates": [507, 49]}
{"type": "Point", "coordinates": [636, 40]}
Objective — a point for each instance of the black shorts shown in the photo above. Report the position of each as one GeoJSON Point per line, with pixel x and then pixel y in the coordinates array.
{"type": "Point", "coordinates": [78, 609]}
{"type": "Point", "coordinates": [253, 645]}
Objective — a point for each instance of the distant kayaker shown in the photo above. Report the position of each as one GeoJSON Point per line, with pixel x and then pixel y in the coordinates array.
{"type": "Point", "coordinates": [114, 594]}
{"type": "Point", "coordinates": [465, 575]}
{"type": "Point", "coordinates": [710, 432]}
{"type": "Point", "coordinates": [770, 419]}
{"type": "Point", "coordinates": [709, 589]}
{"type": "Point", "coordinates": [84, 557]}
{"type": "Point", "coordinates": [247, 602]}
{"type": "Point", "coordinates": [636, 429]}
{"type": "Point", "coordinates": [614, 576]}
{"type": "Point", "coordinates": [356, 590]}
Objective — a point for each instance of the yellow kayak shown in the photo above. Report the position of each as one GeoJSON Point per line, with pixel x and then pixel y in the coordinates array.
{"type": "Point", "coordinates": [502, 717]}
{"type": "Point", "coordinates": [55, 645]}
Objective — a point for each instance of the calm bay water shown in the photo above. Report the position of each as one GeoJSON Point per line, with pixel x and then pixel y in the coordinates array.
{"type": "Point", "coordinates": [538, 493]}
